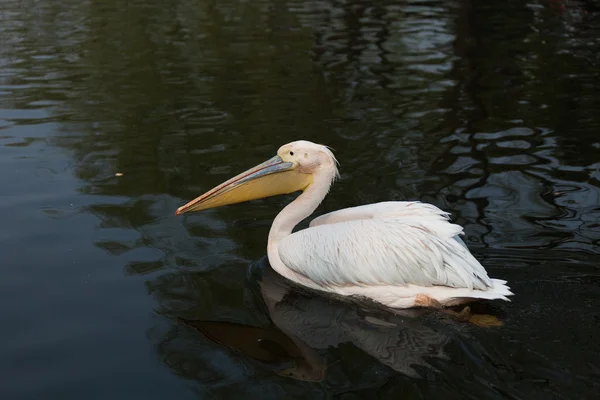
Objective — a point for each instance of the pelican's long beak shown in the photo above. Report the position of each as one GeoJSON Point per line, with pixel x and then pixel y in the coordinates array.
{"type": "Point", "coordinates": [270, 178]}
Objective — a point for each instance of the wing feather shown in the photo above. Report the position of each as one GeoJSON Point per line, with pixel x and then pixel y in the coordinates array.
{"type": "Point", "coordinates": [419, 249]}
{"type": "Point", "coordinates": [384, 209]}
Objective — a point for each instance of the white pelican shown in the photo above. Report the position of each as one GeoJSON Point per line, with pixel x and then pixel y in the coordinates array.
{"type": "Point", "coordinates": [398, 253]}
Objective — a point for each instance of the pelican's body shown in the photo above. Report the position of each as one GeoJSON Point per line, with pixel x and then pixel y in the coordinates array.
{"type": "Point", "coordinates": [400, 254]}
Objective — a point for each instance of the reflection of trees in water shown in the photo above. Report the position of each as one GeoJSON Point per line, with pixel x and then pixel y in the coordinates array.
{"type": "Point", "coordinates": [389, 65]}
{"type": "Point", "coordinates": [512, 181]}
{"type": "Point", "coordinates": [506, 185]}
{"type": "Point", "coordinates": [399, 76]}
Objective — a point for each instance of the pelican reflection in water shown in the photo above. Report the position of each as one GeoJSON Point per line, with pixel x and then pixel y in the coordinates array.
{"type": "Point", "coordinates": [304, 327]}
{"type": "Point", "coordinates": [400, 254]}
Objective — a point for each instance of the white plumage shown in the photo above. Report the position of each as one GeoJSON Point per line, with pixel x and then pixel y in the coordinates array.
{"type": "Point", "coordinates": [400, 254]}
{"type": "Point", "coordinates": [391, 250]}
{"type": "Point", "coordinates": [388, 248]}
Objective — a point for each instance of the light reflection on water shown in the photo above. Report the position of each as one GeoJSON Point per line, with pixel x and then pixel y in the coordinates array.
{"type": "Point", "coordinates": [488, 110]}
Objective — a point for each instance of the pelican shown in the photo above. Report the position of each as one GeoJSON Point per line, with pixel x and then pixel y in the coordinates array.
{"type": "Point", "coordinates": [401, 254]}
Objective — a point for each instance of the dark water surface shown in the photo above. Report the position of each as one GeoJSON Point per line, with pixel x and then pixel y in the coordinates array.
{"type": "Point", "coordinates": [488, 109]}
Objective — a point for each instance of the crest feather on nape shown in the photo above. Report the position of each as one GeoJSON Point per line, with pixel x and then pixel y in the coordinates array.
{"type": "Point", "coordinates": [329, 152]}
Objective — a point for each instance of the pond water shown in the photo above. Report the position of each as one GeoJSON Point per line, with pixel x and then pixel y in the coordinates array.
{"type": "Point", "coordinates": [114, 113]}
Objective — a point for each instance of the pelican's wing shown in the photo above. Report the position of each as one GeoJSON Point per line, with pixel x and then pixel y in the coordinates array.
{"type": "Point", "coordinates": [375, 245]}
{"type": "Point", "coordinates": [385, 209]}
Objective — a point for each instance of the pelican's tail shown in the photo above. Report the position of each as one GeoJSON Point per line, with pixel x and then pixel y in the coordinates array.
{"type": "Point", "coordinates": [500, 288]}
{"type": "Point", "coordinates": [498, 291]}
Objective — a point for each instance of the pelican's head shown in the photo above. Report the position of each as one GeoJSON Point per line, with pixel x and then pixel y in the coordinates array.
{"type": "Point", "coordinates": [291, 170]}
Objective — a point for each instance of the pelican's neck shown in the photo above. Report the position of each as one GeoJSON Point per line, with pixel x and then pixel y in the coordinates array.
{"type": "Point", "coordinates": [303, 206]}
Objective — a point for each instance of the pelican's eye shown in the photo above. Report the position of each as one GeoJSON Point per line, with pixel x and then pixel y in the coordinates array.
{"type": "Point", "coordinates": [291, 153]}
